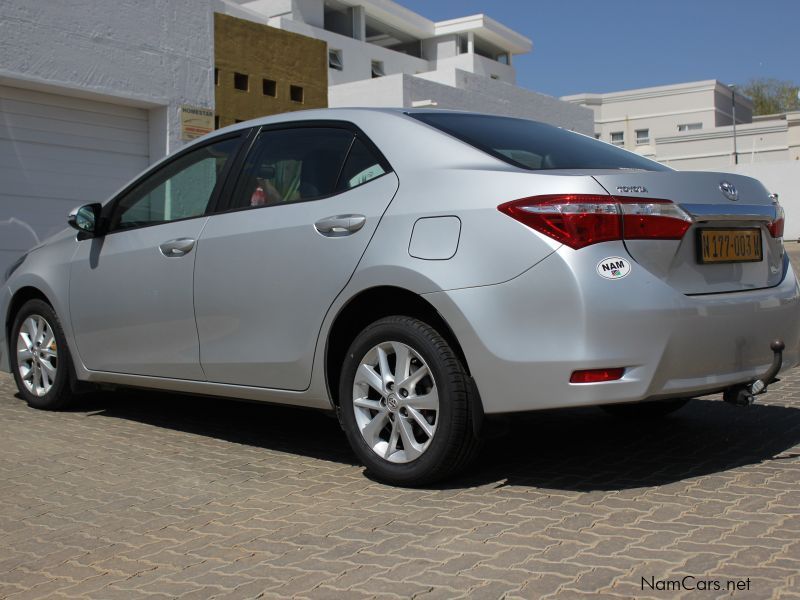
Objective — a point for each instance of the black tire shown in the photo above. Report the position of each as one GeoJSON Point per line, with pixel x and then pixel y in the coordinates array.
{"type": "Point", "coordinates": [454, 444]}
{"type": "Point", "coordinates": [646, 410]}
{"type": "Point", "coordinates": [60, 394]}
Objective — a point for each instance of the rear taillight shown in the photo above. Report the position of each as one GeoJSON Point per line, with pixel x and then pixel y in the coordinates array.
{"type": "Point", "coordinates": [776, 227]}
{"type": "Point", "coordinates": [579, 220]}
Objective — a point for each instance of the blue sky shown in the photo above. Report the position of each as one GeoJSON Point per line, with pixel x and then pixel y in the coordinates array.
{"type": "Point", "coordinates": [610, 45]}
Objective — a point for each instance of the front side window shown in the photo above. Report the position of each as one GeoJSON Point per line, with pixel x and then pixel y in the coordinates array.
{"type": "Point", "coordinates": [180, 190]}
{"type": "Point", "coordinates": [293, 165]}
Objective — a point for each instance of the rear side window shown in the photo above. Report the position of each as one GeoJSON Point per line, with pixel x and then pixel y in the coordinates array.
{"type": "Point", "coordinates": [361, 166]}
{"type": "Point", "coordinates": [293, 165]}
{"type": "Point", "coordinates": [534, 146]}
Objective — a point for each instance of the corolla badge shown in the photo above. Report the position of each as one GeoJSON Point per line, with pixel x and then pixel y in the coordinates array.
{"type": "Point", "coordinates": [729, 190]}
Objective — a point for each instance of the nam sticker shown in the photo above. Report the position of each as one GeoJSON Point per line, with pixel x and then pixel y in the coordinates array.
{"type": "Point", "coordinates": [613, 267]}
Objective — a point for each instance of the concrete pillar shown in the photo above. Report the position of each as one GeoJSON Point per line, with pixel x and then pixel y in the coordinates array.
{"type": "Point", "coordinates": [359, 23]}
{"type": "Point", "coordinates": [159, 139]}
{"type": "Point", "coordinates": [471, 42]}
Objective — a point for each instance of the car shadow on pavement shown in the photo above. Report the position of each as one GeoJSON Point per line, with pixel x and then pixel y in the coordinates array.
{"type": "Point", "coordinates": [587, 449]}
{"type": "Point", "coordinates": [580, 449]}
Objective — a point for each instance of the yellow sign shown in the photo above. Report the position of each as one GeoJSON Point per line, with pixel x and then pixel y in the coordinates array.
{"type": "Point", "coordinates": [196, 122]}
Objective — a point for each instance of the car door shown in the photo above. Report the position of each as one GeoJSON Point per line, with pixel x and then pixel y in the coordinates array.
{"type": "Point", "coordinates": [303, 212]}
{"type": "Point", "coordinates": [131, 288]}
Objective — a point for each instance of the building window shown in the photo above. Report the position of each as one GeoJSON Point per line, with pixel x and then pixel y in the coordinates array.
{"type": "Point", "coordinates": [617, 138]}
{"type": "Point", "coordinates": [238, 121]}
{"type": "Point", "coordinates": [503, 58]}
{"type": "Point", "coordinates": [642, 136]}
{"type": "Point", "coordinates": [216, 121]}
{"type": "Point", "coordinates": [377, 69]}
{"type": "Point", "coordinates": [296, 93]}
{"type": "Point", "coordinates": [690, 127]}
{"type": "Point", "coordinates": [597, 136]}
{"type": "Point", "coordinates": [462, 42]}
{"type": "Point", "coordinates": [216, 76]}
{"type": "Point", "coordinates": [241, 81]}
{"type": "Point", "coordinates": [269, 87]}
{"type": "Point", "coordinates": [335, 60]}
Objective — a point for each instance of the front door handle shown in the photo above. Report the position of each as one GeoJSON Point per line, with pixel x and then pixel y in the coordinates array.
{"type": "Point", "coordinates": [340, 225]}
{"type": "Point", "coordinates": [177, 247]}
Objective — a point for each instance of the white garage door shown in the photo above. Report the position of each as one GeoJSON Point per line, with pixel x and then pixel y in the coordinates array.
{"type": "Point", "coordinates": [57, 152]}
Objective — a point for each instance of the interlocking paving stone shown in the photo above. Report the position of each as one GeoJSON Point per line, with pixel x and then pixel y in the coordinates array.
{"type": "Point", "coordinates": [141, 494]}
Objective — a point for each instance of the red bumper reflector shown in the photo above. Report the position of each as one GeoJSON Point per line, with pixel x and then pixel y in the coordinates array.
{"type": "Point", "coordinates": [596, 375]}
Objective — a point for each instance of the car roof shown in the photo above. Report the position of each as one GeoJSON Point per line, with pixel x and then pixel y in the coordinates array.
{"type": "Point", "coordinates": [342, 113]}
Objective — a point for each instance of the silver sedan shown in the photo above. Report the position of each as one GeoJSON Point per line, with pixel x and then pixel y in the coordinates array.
{"type": "Point", "coordinates": [419, 273]}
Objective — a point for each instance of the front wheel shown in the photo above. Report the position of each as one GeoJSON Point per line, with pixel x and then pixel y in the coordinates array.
{"type": "Point", "coordinates": [406, 403]}
{"type": "Point", "coordinates": [646, 410]}
{"type": "Point", "coordinates": [39, 356]}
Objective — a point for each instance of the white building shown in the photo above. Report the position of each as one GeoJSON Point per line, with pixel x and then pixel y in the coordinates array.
{"type": "Point", "coordinates": [382, 54]}
{"type": "Point", "coordinates": [690, 126]}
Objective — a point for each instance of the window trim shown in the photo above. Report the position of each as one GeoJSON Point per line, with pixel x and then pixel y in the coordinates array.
{"type": "Point", "coordinates": [110, 207]}
{"type": "Point", "coordinates": [228, 204]}
{"type": "Point", "coordinates": [335, 60]}
{"type": "Point", "coordinates": [696, 126]}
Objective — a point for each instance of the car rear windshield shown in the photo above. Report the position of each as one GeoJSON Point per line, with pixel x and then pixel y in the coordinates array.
{"type": "Point", "coordinates": [535, 146]}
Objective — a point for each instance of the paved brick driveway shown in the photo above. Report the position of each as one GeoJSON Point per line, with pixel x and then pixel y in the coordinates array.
{"type": "Point", "coordinates": [149, 495]}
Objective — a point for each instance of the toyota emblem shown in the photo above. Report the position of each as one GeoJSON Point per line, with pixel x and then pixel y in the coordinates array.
{"type": "Point", "coordinates": [729, 190]}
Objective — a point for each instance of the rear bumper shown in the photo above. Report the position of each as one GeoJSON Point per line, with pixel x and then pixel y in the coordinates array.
{"type": "Point", "coordinates": [523, 338]}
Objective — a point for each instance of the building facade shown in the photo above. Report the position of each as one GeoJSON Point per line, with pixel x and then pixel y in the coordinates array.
{"type": "Point", "coordinates": [690, 125]}
{"type": "Point", "coordinates": [260, 70]}
{"type": "Point", "coordinates": [91, 96]}
{"type": "Point", "coordinates": [382, 54]}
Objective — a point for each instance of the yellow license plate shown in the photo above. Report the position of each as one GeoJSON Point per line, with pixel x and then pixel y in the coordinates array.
{"type": "Point", "coordinates": [729, 245]}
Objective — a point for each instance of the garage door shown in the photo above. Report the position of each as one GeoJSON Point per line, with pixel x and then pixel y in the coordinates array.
{"type": "Point", "coordinates": [57, 152]}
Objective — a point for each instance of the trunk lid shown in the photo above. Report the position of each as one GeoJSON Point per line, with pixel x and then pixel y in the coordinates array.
{"type": "Point", "coordinates": [703, 196]}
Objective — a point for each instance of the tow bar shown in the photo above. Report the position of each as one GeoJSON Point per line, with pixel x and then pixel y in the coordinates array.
{"type": "Point", "coordinates": [744, 395]}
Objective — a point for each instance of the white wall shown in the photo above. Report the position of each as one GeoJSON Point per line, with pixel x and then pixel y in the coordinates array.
{"type": "Point", "coordinates": [156, 54]}
{"type": "Point", "coordinates": [480, 65]}
{"type": "Point", "coordinates": [456, 89]}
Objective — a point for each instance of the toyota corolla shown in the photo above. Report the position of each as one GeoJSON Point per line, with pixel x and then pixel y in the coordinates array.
{"type": "Point", "coordinates": [417, 272]}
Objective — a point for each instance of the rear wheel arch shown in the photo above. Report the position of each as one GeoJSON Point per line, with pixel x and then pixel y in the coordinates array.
{"type": "Point", "coordinates": [367, 307]}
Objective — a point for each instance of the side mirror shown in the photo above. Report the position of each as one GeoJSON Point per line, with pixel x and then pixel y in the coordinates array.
{"type": "Point", "coordinates": [85, 219]}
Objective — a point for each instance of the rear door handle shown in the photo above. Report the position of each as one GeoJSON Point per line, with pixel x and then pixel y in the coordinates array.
{"type": "Point", "coordinates": [340, 225]}
{"type": "Point", "coordinates": [177, 247]}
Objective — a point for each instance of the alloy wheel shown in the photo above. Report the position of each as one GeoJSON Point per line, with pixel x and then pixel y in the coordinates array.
{"type": "Point", "coordinates": [37, 355]}
{"type": "Point", "coordinates": [396, 402]}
